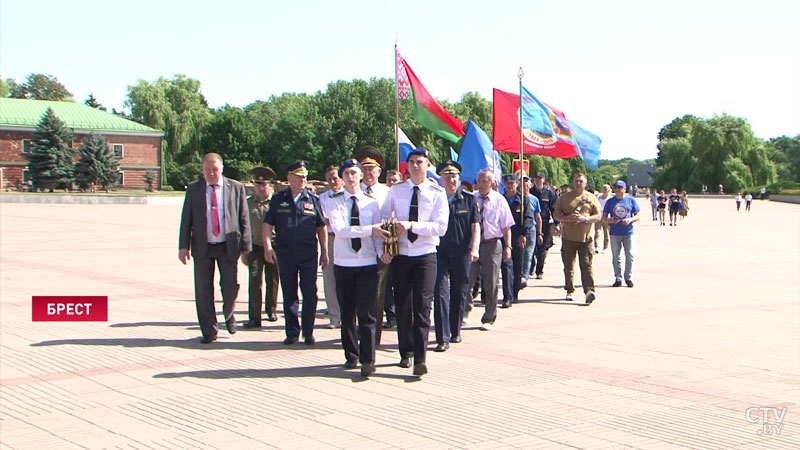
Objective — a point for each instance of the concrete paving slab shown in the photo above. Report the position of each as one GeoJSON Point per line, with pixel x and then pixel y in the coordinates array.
{"type": "Point", "coordinates": [692, 357]}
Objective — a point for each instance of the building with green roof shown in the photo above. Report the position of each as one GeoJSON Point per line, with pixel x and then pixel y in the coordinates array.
{"type": "Point", "coordinates": [137, 145]}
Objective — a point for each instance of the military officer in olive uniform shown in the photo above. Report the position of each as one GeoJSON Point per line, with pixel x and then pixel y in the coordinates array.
{"type": "Point", "coordinates": [259, 268]}
{"type": "Point", "coordinates": [296, 216]}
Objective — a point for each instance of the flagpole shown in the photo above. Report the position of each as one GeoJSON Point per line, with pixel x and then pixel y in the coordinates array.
{"type": "Point", "coordinates": [396, 112]}
{"type": "Point", "coordinates": [522, 195]}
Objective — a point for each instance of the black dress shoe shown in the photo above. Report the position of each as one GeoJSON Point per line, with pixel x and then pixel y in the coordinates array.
{"type": "Point", "coordinates": [455, 339]}
{"type": "Point", "coordinates": [389, 324]}
{"type": "Point", "coordinates": [629, 283]}
{"type": "Point", "coordinates": [230, 324]}
{"type": "Point", "coordinates": [291, 340]}
{"type": "Point", "coordinates": [442, 347]}
{"type": "Point", "coordinates": [420, 369]}
{"type": "Point", "coordinates": [405, 362]}
{"type": "Point", "coordinates": [351, 364]}
{"type": "Point", "coordinates": [310, 341]}
{"type": "Point", "coordinates": [250, 324]}
{"type": "Point", "coordinates": [367, 369]}
{"type": "Point", "coordinates": [505, 304]}
{"type": "Point", "coordinates": [272, 317]}
{"type": "Point", "coordinates": [208, 339]}
{"type": "Point", "coordinates": [617, 283]}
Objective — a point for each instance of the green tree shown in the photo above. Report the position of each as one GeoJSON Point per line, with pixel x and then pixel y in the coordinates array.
{"type": "Point", "coordinates": [175, 106]}
{"type": "Point", "coordinates": [785, 152]}
{"type": "Point", "coordinates": [235, 138]}
{"type": "Point", "coordinates": [149, 178]}
{"type": "Point", "coordinates": [50, 162]}
{"type": "Point", "coordinates": [91, 101]}
{"type": "Point", "coordinates": [40, 87]}
{"type": "Point", "coordinates": [5, 91]}
{"type": "Point", "coordinates": [97, 164]}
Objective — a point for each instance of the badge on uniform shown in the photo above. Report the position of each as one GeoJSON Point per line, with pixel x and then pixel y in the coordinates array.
{"type": "Point", "coordinates": [308, 208]}
{"type": "Point", "coordinates": [285, 204]}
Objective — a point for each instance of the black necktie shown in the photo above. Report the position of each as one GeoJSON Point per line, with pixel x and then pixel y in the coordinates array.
{"type": "Point", "coordinates": [355, 221]}
{"type": "Point", "coordinates": [484, 200]}
{"type": "Point", "coordinates": [412, 214]}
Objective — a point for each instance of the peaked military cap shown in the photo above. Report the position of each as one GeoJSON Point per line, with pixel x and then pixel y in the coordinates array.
{"type": "Point", "coordinates": [261, 174]}
{"type": "Point", "coordinates": [510, 177]}
{"type": "Point", "coordinates": [369, 156]}
{"type": "Point", "coordinates": [298, 168]}
{"type": "Point", "coordinates": [448, 166]}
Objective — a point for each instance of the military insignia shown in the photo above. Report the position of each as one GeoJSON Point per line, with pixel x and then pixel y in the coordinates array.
{"type": "Point", "coordinates": [338, 194]}
{"type": "Point", "coordinates": [284, 204]}
{"type": "Point", "coordinates": [308, 206]}
{"type": "Point", "coordinates": [462, 211]}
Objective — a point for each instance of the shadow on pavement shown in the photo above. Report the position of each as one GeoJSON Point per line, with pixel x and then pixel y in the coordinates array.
{"type": "Point", "coordinates": [193, 343]}
{"type": "Point", "coordinates": [323, 371]}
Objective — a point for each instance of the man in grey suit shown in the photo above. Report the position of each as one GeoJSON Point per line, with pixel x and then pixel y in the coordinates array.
{"type": "Point", "coordinates": [216, 226]}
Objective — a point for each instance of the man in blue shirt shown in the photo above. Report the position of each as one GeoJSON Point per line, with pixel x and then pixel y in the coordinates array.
{"type": "Point", "coordinates": [523, 223]}
{"type": "Point", "coordinates": [621, 211]}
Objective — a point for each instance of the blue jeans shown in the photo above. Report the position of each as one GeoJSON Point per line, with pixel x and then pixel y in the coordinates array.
{"type": "Point", "coordinates": [617, 242]}
{"type": "Point", "coordinates": [527, 257]}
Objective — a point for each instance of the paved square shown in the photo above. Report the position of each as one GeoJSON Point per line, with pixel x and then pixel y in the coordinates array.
{"type": "Point", "coordinates": [694, 356]}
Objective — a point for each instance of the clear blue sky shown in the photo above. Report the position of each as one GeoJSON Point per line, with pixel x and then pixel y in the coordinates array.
{"type": "Point", "coordinates": [622, 69]}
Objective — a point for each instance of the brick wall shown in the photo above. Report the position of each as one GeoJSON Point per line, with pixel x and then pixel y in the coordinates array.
{"type": "Point", "coordinates": [139, 154]}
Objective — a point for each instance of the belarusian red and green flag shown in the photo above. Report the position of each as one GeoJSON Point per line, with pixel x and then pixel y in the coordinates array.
{"type": "Point", "coordinates": [427, 111]}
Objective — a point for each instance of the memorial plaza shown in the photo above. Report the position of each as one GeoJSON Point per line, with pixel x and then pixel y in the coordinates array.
{"type": "Point", "coordinates": [704, 351]}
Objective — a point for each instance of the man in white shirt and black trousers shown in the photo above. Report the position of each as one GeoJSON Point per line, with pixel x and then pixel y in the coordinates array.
{"type": "Point", "coordinates": [421, 210]}
{"type": "Point", "coordinates": [353, 215]}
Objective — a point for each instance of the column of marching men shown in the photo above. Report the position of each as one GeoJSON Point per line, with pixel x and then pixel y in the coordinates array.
{"type": "Point", "coordinates": [448, 239]}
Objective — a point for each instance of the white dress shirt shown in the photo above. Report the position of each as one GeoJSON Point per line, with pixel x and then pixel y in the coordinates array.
{"type": "Point", "coordinates": [433, 213]}
{"type": "Point", "coordinates": [378, 191]}
{"type": "Point", "coordinates": [220, 212]}
{"type": "Point", "coordinates": [338, 207]}
{"type": "Point", "coordinates": [323, 200]}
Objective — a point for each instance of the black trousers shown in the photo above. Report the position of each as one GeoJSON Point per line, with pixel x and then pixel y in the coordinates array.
{"type": "Point", "coordinates": [540, 254]}
{"type": "Point", "coordinates": [356, 291]}
{"type": "Point", "coordinates": [450, 293]}
{"type": "Point", "coordinates": [413, 278]}
{"type": "Point", "coordinates": [289, 267]}
{"type": "Point", "coordinates": [204, 287]}
{"type": "Point", "coordinates": [259, 269]}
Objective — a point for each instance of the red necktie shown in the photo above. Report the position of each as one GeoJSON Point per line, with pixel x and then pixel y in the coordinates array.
{"type": "Point", "coordinates": [214, 213]}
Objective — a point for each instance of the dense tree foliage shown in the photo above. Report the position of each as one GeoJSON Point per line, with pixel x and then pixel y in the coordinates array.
{"type": "Point", "coordinates": [325, 128]}
{"type": "Point", "coordinates": [39, 87]}
{"type": "Point", "coordinates": [97, 165]}
{"type": "Point", "coordinates": [176, 107]}
{"type": "Point", "coordinates": [50, 161]}
{"type": "Point", "coordinates": [720, 150]}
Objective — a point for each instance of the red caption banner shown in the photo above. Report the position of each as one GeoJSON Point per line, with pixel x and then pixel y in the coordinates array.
{"type": "Point", "coordinates": [61, 308]}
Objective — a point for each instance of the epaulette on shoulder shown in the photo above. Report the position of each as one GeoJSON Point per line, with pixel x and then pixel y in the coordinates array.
{"type": "Point", "coordinates": [338, 194]}
{"type": "Point", "coordinates": [402, 182]}
{"type": "Point", "coordinates": [313, 195]}
{"type": "Point", "coordinates": [467, 194]}
{"type": "Point", "coordinates": [369, 195]}
{"type": "Point", "coordinates": [436, 187]}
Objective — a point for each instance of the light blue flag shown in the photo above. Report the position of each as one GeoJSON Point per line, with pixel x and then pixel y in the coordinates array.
{"type": "Point", "coordinates": [453, 154]}
{"type": "Point", "coordinates": [476, 153]}
{"type": "Point", "coordinates": [535, 115]}
{"type": "Point", "coordinates": [588, 143]}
